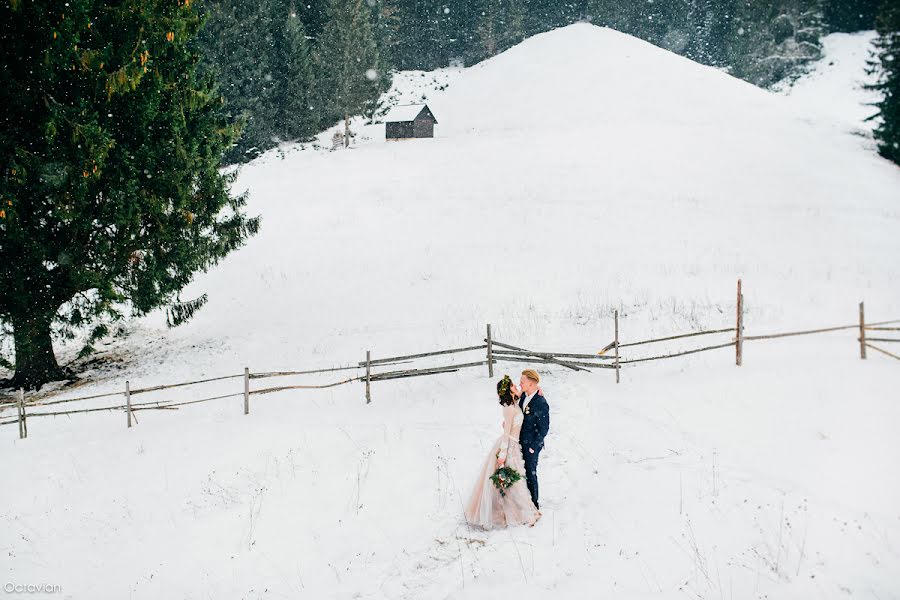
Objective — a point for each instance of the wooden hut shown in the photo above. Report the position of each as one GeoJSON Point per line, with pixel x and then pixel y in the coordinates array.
{"type": "Point", "coordinates": [409, 121]}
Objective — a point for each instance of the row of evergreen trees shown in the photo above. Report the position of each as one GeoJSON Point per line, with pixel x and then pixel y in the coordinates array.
{"type": "Point", "coordinates": [290, 68]}
{"type": "Point", "coordinates": [287, 70]}
{"type": "Point", "coordinates": [887, 67]}
{"type": "Point", "coordinates": [760, 40]}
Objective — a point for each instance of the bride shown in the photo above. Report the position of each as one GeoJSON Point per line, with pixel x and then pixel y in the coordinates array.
{"type": "Point", "coordinates": [487, 507]}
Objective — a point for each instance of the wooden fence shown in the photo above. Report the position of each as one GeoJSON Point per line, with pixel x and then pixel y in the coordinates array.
{"type": "Point", "coordinates": [494, 351]}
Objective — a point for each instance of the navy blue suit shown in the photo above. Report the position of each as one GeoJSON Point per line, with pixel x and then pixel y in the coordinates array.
{"type": "Point", "coordinates": [535, 426]}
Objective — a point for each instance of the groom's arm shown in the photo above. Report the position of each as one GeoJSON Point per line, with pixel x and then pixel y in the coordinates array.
{"type": "Point", "coordinates": [543, 420]}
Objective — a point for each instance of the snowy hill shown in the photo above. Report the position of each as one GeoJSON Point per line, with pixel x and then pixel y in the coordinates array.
{"type": "Point", "coordinates": [580, 172]}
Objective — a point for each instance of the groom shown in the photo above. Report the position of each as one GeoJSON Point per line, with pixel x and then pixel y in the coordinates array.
{"type": "Point", "coordinates": [535, 425]}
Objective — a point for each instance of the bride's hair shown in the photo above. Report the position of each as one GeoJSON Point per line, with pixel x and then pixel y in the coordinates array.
{"type": "Point", "coordinates": [504, 390]}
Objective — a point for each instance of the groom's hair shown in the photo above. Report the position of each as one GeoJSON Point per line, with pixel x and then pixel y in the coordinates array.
{"type": "Point", "coordinates": [532, 375]}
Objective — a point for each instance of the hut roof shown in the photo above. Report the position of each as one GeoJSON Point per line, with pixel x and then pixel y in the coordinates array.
{"type": "Point", "coordinates": [407, 112]}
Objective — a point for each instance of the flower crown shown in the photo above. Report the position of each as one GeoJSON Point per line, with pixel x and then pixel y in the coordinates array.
{"type": "Point", "coordinates": [504, 385]}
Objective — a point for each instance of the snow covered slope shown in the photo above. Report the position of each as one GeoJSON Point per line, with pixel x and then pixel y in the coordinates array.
{"type": "Point", "coordinates": [835, 86]}
{"type": "Point", "coordinates": [635, 178]}
{"type": "Point", "coordinates": [580, 172]}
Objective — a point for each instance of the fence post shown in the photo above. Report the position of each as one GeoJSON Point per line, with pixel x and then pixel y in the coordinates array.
{"type": "Point", "coordinates": [739, 328]}
{"type": "Point", "coordinates": [128, 401]}
{"type": "Point", "coordinates": [368, 376]}
{"type": "Point", "coordinates": [246, 390]}
{"type": "Point", "coordinates": [24, 412]}
{"type": "Point", "coordinates": [862, 330]}
{"type": "Point", "coordinates": [616, 344]}
{"type": "Point", "coordinates": [490, 353]}
{"type": "Point", "coordinates": [20, 407]}
{"type": "Point", "coordinates": [19, 413]}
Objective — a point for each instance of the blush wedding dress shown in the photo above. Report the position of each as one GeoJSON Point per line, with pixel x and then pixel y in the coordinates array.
{"type": "Point", "coordinates": [486, 507]}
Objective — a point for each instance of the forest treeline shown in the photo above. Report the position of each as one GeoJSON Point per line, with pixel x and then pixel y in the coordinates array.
{"type": "Point", "coordinates": [289, 69]}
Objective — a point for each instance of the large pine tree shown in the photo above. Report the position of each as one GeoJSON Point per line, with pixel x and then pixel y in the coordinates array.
{"type": "Point", "coordinates": [887, 69]}
{"type": "Point", "coordinates": [110, 151]}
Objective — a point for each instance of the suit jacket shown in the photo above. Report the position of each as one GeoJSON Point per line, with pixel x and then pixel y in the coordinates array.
{"type": "Point", "coordinates": [536, 423]}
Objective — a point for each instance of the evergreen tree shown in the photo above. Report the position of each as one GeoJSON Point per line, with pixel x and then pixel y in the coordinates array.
{"type": "Point", "coordinates": [701, 24]}
{"type": "Point", "coordinates": [774, 39]}
{"type": "Point", "coordinates": [350, 72]}
{"type": "Point", "coordinates": [258, 51]}
{"type": "Point", "coordinates": [386, 25]}
{"type": "Point", "coordinates": [714, 24]}
{"type": "Point", "coordinates": [235, 44]}
{"type": "Point", "coordinates": [488, 29]}
{"type": "Point", "coordinates": [500, 25]}
{"type": "Point", "coordinates": [750, 40]}
{"type": "Point", "coordinates": [110, 152]}
{"type": "Point", "coordinates": [672, 25]}
{"type": "Point", "coordinates": [628, 17]}
{"type": "Point", "coordinates": [535, 18]}
{"type": "Point", "coordinates": [514, 24]}
{"type": "Point", "coordinates": [851, 15]}
{"type": "Point", "coordinates": [463, 39]}
{"type": "Point", "coordinates": [887, 68]}
{"type": "Point", "coordinates": [313, 15]}
{"type": "Point", "coordinates": [559, 13]}
{"type": "Point", "coordinates": [296, 116]}
{"type": "Point", "coordinates": [428, 31]}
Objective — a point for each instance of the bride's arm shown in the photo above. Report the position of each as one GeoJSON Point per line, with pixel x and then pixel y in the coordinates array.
{"type": "Point", "coordinates": [507, 430]}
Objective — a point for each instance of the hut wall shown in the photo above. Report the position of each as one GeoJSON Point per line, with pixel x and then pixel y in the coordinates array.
{"type": "Point", "coordinates": [424, 128]}
{"type": "Point", "coordinates": [399, 130]}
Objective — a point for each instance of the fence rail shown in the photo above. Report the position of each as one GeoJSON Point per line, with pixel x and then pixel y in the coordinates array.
{"type": "Point", "coordinates": [883, 351]}
{"type": "Point", "coordinates": [676, 354]}
{"type": "Point", "coordinates": [546, 357]}
{"type": "Point", "coordinates": [674, 337]}
{"type": "Point", "coordinates": [494, 351]}
{"type": "Point", "coordinates": [428, 371]}
{"type": "Point", "coordinates": [381, 361]}
{"type": "Point", "coordinates": [772, 336]}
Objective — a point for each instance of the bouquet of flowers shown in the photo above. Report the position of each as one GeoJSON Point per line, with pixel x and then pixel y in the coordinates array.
{"type": "Point", "coordinates": [504, 477]}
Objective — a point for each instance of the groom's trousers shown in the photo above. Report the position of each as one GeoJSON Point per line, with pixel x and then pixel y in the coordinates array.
{"type": "Point", "coordinates": [531, 463]}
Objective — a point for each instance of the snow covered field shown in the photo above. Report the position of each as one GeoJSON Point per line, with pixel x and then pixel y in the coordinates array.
{"type": "Point", "coordinates": [557, 190]}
